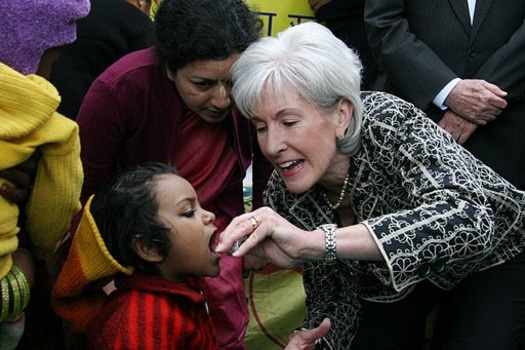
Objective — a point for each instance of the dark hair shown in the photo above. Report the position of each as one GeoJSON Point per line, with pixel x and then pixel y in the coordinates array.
{"type": "Point", "coordinates": [126, 207]}
{"type": "Point", "coordinates": [191, 30]}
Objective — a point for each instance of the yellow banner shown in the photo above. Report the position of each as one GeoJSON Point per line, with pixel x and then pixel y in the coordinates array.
{"type": "Point", "coordinates": [278, 15]}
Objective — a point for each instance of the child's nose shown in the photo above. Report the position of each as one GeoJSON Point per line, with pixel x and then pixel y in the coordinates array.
{"type": "Point", "coordinates": [209, 217]}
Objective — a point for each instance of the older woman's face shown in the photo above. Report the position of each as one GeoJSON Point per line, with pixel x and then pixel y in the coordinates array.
{"type": "Point", "coordinates": [30, 27]}
{"type": "Point", "coordinates": [204, 86]}
{"type": "Point", "coordinates": [300, 140]}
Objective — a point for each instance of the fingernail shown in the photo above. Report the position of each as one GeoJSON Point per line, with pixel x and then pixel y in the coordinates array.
{"type": "Point", "coordinates": [236, 245]}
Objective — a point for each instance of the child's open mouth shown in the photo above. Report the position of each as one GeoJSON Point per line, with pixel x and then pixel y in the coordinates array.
{"type": "Point", "coordinates": [214, 241]}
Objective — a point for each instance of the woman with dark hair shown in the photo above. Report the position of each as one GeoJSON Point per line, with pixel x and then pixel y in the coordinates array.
{"type": "Point", "coordinates": [172, 104]}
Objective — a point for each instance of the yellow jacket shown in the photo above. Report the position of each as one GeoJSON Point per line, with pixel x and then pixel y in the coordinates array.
{"type": "Point", "coordinates": [28, 120]}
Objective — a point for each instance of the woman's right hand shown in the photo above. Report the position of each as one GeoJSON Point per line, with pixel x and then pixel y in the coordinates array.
{"type": "Point", "coordinates": [269, 236]}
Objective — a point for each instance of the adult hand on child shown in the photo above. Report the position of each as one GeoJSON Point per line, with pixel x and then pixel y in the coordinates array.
{"type": "Point", "coordinates": [22, 177]}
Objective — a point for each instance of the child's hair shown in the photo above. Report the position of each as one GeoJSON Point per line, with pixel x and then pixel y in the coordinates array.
{"type": "Point", "coordinates": [125, 209]}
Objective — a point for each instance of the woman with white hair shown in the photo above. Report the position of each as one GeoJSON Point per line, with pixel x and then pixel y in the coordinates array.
{"type": "Point", "coordinates": [387, 214]}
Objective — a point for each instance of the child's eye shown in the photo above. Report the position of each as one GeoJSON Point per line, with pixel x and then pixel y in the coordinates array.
{"type": "Point", "coordinates": [189, 213]}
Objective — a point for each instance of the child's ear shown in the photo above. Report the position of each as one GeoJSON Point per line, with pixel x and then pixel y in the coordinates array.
{"type": "Point", "coordinates": [147, 252]}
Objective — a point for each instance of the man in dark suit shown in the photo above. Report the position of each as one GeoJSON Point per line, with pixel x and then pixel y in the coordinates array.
{"type": "Point", "coordinates": [463, 63]}
{"type": "Point", "coordinates": [345, 19]}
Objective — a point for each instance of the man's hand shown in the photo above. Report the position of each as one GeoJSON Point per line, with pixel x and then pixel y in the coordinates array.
{"type": "Point", "coordinates": [477, 101]}
{"type": "Point", "coordinates": [306, 340]}
{"type": "Point", "coordinates": [459, 128]}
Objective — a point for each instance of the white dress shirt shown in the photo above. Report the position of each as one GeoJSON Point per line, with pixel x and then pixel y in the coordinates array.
{"type": "Point", "coordinates": [440, 98]}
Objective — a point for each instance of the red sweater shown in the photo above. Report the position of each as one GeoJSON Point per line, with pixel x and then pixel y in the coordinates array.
{"type": "Point", "coordinates": [149, 312]}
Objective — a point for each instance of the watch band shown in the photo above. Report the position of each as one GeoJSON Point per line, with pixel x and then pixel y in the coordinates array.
{"type": "Point", "coordinates": [329, 241]}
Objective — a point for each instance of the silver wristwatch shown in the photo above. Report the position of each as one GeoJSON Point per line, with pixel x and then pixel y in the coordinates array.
{"type": "Point", "coordinates": [329, 241]}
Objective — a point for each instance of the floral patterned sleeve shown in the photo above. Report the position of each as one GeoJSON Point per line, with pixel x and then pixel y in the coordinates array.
{"type": "Point", "coordinates": [441, 223]}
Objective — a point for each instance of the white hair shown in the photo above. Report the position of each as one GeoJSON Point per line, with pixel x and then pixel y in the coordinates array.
{"type": "Point", "coordinates": [308, 60]}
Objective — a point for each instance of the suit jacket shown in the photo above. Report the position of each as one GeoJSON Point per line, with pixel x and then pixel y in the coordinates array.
{"type": "Point", "coordinates": [344, 18]}
{"type": "Point", "coordinates": [421, 45]}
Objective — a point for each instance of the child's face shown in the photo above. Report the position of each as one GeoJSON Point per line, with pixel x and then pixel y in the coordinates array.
{"type": "Point", "coordinates": [191, 231]}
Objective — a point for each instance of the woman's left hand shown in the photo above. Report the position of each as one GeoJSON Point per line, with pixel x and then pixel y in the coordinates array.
{"type": "Point", "coordinates": [253, 263]}
{"type": "Point", "coordinates": [268, 235]}
{"type": "Point", "coordinates": [306, 340]}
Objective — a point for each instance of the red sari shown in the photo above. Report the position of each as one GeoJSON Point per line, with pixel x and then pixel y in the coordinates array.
{"type": "Point", "coordinates": [204, 157]}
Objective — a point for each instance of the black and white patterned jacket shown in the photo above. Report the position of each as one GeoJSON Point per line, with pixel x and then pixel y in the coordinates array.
{"type": "Point", "coordinates": [435, 212]}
